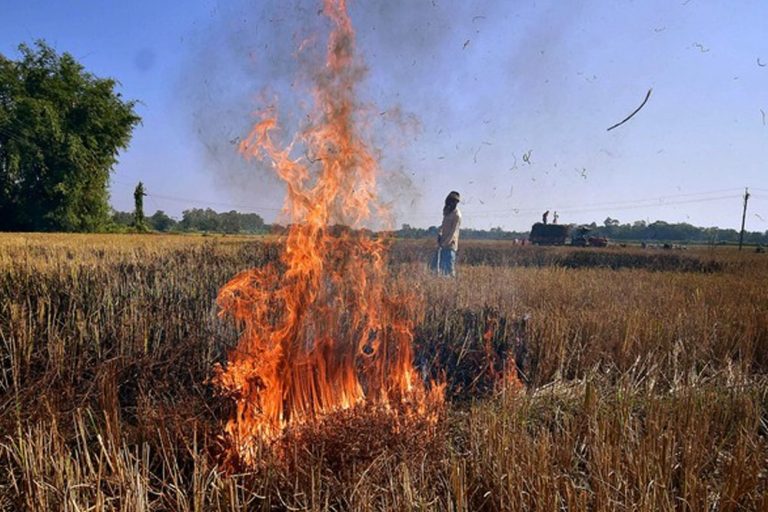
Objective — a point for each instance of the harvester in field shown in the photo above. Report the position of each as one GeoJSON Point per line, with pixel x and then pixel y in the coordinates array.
{"type": "Point", "coordinates": [549, 234]}
{"type": "Point", "coordinates": [557, 234]}
{"type": "Point", "coordinates": [581, 238]}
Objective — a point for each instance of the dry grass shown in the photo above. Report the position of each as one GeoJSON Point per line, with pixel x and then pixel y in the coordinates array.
{"type": "Point", "coordinates": [646, 380]}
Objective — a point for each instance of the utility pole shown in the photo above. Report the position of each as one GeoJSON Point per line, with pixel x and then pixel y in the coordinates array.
{"type": "Point", "coordinates": [743, 216]}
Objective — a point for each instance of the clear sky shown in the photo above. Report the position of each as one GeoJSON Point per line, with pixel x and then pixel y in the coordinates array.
{"type": "Point", "coordinates": [506, 101]}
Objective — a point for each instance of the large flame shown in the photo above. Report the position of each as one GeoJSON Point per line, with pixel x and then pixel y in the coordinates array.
{"type": "Point", "coordinates": [321, 331]}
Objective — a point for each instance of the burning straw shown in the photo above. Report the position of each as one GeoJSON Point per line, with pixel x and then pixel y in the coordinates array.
{"type": "Point", "coordinates": [321, 331]}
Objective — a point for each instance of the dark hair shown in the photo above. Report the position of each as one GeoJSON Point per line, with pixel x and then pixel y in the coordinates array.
{"type": "Point", "coordinates": [451, 201]}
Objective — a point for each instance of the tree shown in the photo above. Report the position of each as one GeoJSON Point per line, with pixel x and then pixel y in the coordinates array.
{"type": "Point", "coordinates": [123, 219]}
{"type": "Point", "coordinates": [138, 208]}
{"type": "Point", "coordinates": [229, 222]}
{"type": "Point", "coordinates": [160, 221]}
{"type": "Point", "coordinates": [60, 132]}
{"type": "Point", "coordinates": [251, 223]}
{"type": "Point", "coordinates": [198, 219]}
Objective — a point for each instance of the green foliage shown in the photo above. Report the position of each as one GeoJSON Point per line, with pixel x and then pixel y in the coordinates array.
{"type": "Point", "coordinates": [120, 221]}
{"type": "Point", "coordinates": [660, 231]}
{"type": "Point", "coordinates": [60, 132]}
{"type": "Point", "coordinates": [198, 219]}
{"type": "Point", "coordinates": [160, 221]}
{"type": "Point", "coordinates": [138, 211]}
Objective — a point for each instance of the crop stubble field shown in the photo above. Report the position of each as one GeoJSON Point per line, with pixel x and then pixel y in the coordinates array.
{"type": "Point", "coordinates": [644, 382]}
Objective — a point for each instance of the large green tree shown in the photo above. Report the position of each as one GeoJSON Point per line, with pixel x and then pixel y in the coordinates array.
{"type": "Point", "coordinates": [60, 132]}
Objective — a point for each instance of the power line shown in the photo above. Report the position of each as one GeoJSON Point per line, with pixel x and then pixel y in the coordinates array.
{"type": "Point", "coordinates": [592, 207]}
{"type": "Point", "coordinates": [651, 201]}
{"type": "Point", "coordinates": [616, 205]}
{"type": "Point", "coordinates": [621, 205]}
{"type": "Point", "coordinates": [650, 205]}
{"type": "Point", "coordinates": [588, 209]}
{"type": "Point", "coordinates": [625, 201]}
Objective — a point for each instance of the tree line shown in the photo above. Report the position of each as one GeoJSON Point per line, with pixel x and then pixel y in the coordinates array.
{"type": "Point", "coordinates": [638, 231]}
{"type": "Point", "coordinates": [192, 220]}
{"type": "Point", "coordinates": [673, 232]}
{"type": "Point", "coordinates": [497, 233]}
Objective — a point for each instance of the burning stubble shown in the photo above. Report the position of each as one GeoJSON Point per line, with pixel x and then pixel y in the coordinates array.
{"type": "Point", "coordinates": [321, 331]}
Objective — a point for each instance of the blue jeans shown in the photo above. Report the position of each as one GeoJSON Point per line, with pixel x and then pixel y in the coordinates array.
{"type": "Point", "coordinates": [446, 262]}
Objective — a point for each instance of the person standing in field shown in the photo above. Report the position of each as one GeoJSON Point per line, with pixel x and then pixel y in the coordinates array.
{"type": "Point", "coordinates": [448, 236]}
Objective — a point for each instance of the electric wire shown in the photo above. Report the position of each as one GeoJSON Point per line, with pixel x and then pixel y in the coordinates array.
{"type": "Point", "coordinates": [619, 205]}
{"type": "Point", "coordinates": [614, 205]}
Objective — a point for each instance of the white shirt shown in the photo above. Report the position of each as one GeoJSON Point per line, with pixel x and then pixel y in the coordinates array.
{"type": "Point", "coordinates": [449, 231]}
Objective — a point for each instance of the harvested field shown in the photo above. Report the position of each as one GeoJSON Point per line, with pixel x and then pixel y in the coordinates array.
{"type": "Point", "coordinates": [642, 383]}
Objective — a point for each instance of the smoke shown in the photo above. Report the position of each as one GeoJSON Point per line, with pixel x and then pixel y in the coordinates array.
{"type": "Point", "coordinates": [242, 62]}
{"type": "Point", "coordinates": [434, 82]}
{"type": "Point", "coordinates": [253, 55]}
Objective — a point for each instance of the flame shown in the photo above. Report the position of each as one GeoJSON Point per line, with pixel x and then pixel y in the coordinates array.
{"type": "Point", "coordinates": [320, 331]}
{"type": "Point", "coordinates": [507, 378]}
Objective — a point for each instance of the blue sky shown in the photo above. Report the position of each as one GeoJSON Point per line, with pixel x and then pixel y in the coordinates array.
{"type": "Point", "coordinates": [506, 101]}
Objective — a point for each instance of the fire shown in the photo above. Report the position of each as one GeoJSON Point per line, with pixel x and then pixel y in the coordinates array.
{"type": "Point", "coordinates": [321, 331]}
{"type": "Point", "coordinates": [506, 378]}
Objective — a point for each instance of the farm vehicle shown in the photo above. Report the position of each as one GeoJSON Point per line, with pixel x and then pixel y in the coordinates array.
{"type": "Point", "coordinates": [557, 234]}
{"type": "Point", "coordinates": [581, 238]}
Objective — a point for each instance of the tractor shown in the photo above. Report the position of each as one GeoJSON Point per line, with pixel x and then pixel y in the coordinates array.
{"type": "Point", "coordinates": [581, 238]}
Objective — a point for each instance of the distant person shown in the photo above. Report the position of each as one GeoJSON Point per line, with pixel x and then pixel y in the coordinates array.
{"type": "Point", "coordinates": [448, 237]}
{"type": "Point", "coordinates": [544, 217]}
{"type": "Point", "coordinates": [554, 218]}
